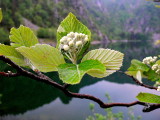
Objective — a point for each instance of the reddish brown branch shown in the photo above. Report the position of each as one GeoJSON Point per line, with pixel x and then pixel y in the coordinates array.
{"type": "Point", "coordinates": [143, 85]}
{"type": "Point", "coordinates": [41, 77]}
{"type": "Point", "coordinates": [9, 74]}
{"type": "Point", "coordinates": [139, 83]}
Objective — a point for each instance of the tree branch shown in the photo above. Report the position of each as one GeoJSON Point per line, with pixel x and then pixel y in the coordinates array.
{"type": "Point", "coordinates": [42, 78]}
{"type": "Point", "coordinates": [9, 74]}
{"type": "Point", "coordinates": [143, 85]}
{"type": "Point", "coordinates": [138, 82]}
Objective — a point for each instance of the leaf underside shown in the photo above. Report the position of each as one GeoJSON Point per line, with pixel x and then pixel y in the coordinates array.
{"type": "Point", "coordinates": [23, 36]}
{"type": "Point", "coordinates": [12, 54]}
{"type": "Point", "coordinates": [72, 74]}
{"type": "Point", "coordinates": [43, 57]}
{"type": "Point", "coordinates": [149, 98]}
{"type": "Point", "coordinates": [110, 58]}
{"type": "Point", "coordinates": [137, 69]}
{"type": "Point", "coordinates": [136, 74]}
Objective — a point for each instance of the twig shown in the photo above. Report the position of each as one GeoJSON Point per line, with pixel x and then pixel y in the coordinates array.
{"type": "Point", "coordinates": [144, 85]}
{"type": "Point", "coordinates": [139, 83]}
{"type": "Point", "coordinates": [65, 86]}
{"type": "Point", "coordinates": [9, 74]}
{"type": "Point", "coordinates": [42, 78]}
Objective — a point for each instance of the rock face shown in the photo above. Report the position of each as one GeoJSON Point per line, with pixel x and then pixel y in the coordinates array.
{"type": "Point", "coordinates": [107, 19]}
{"type": "Point", "coordinates": [29, 24]}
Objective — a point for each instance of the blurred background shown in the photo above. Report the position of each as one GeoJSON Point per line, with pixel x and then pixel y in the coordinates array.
{"type": "Point", "coordinates": [109, 20]}
{"type": "Point", "coordinates": [130, 26]}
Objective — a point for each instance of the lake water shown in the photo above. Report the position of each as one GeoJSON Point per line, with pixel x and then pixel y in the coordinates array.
{"type": "Point", "coordinates": [26, 99]}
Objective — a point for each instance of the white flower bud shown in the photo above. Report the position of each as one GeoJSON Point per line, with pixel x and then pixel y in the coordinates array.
{"type": "Point", "coordinates": [62, 40]}
{"type": "Point", "coordinates": [9, 71]}
{"type": "Point", "coordinates": [149, 60]}
{"type": "Point", "coordinates": [158, 83]}
{"type": "Point", "coordinates": [69, 39]}
{"type": "Point", "coordinates": [66, 47]}
{"type": "Point", "coordinates": [71, 35]}
{"type": "Point", "coordinates": [155, 57]}
{"type": "Point", "coordinates": [71, 43]}
{"type": "Point", "coordinates": [158, 71]}
{"type": "Point", "coordinates": [86, 39]}
{"type": "Point", "coordinates": [75, 34]}
{"type": "Point", "coordinates": [158, 89]}
{"type": "Point", "coordinates": [155, 67]}
{"type": "Point", "coordinates": [78, 43]}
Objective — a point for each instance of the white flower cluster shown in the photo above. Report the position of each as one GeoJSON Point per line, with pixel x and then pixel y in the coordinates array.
{"type": "Point", "coordinates": [149, 60]}
{"type": "Point", "coordinates": [156, 68]}
{"type": "Point", "coordinates": [73, 40]}
{"type": "Point", "coordinates": [72, 44]}
{"type": "Point", "coordinates": [158, 89]}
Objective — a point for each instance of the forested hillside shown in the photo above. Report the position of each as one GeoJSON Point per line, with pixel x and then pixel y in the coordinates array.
{"type": "Point", "coordinates": [108, 19]}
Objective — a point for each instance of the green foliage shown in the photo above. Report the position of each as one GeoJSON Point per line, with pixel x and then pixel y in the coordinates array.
{"type": "Point", "coordinates": [46, 58]}
{"type": "Point", "coordinates": [149, 98]}
{"type": "Point", "coordinates": [43, 57]}
{"type": "Point", "coordinates": [12, 54]}
{"type": "Point", "coordinates": [1, 16]}
{"type": "Point", "coordinates": [23, 36]}
{"type": "Point", "coordinates": [158, 6]}
{"type": "Point", "coordinates": [152, 75]}
{"type": "Point", "coordinates": [49, 13]}
{"type": "Point", "coordinates": [72, 24]}
{"type": "Point", "coordinates": [4, 36]}
{"type": "Point", "coordinates": [46, 33]}
{"type": "Point", "coordinates": [111, 59]}
{"type": "Point", "coordinates": [158, 62]}
{"type": "Point", "coordinates": [91, 106]}
{"type": "Point", "coordinates": [72, 74]}
{"type": "Point", "coordinates": [138, 65]}
{"type": "Point", "coordinates": [136, 74]}
{"type": "Point", "coordinates": [137, 69]}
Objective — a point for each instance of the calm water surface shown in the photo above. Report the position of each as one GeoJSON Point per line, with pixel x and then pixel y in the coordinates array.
{"type": "Point", "coordinates": [26, 99]}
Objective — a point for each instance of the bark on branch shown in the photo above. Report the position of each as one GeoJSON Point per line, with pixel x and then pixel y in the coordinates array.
{"type": "Point", "coordinates": [45, 79]}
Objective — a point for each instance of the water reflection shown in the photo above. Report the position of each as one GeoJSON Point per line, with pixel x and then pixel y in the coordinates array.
{"type": "Point", "coordinates": [29, 99]}
{"type": "Point", "coordinates": [78, 109]}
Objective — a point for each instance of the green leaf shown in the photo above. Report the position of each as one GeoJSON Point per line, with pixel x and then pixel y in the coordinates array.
{"type": "Point", "coordinates": [136, 74]}
{"type": "Point", "coordinates": [72, 74]}
{"type": "Point", "coordinates": [131, 73]}
{"type": "Point", "coordinates": [43, 57]}
{"type": "Point", "coordinates": [1, 15]}
{"type": "Point", "coordinates": [158, 62]}
{"type": "Point", "coordinates": [138, 65]}
{"type": "Point", "coordinates": [12, 54]}
{"type": "Point", "coordinates": [72, 24]}
{"type": "Point", "coordinates": [23, 36]}
{"type": "Point", "coordinates": [139, 76]}
{"type": "Point", "coordinates": [149, 98]}
{"type": "Point", "coordinates": [152, 75]}
{"type": "Point", "coordinates": [110, 58]}
{"type": "Point", "coordinates": [137, 70]}
{"type": "Point", "coordinates": [158, 6]}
